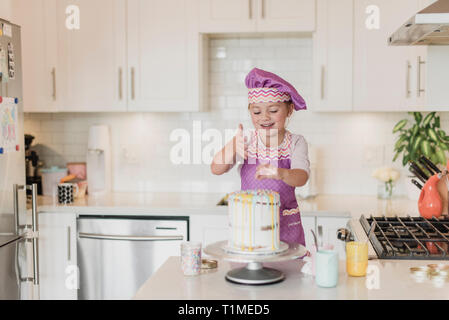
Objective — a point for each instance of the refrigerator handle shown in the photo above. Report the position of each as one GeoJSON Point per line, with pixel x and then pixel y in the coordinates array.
{"type": "Point", "coordinates": [35, 228]}
{"type": "Point", "coordinates": [28, 235]}
{"type": "Point", "coordinates": [16, 189]}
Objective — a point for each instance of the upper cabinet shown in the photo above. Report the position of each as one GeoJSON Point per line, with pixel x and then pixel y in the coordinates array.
{"type": "Point", "coordinates": [385, 77]}
{"type": "Point", "coordinates": [110, 55]}
{"type": "Point", "coordinates": [286, 15]}
{"type": "Point", "coordinates": [217, 16]}
{"type": "Point", "coordinates": [163, 55]}
{"type": "Point", "coordinates": [332, 65]}
{"type": "Point", "coordinates": [227, 16]}
{"type": "Point", "coordinates": [92, 55]}
{"type": "Point", "coordinates": [37, 19]}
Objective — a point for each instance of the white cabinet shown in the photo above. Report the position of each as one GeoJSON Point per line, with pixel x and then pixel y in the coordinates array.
{"type": "Point", "coordinates": [58, 256]}
{"type": "Point", "coordinates": [163, 55]}
{"type": "Point", "coordinates": [217, 16]}
{"type": "Point", "coordinates": [208, 229]}
{"type": "Point", "coordinates": [134, 55]}
{"type": "Point", "coordinates": [37, 19]}
{"type": "Point", "coordinates": [330, 226]}
{"type": "Point", "coordinates": [286, 15]}
{"type": "Point", "coordinates": [332, 65]}
{"type": "Point", "coordinates": [92, 59]}
{"type": "Point", "coordinates": [227, 16]}
{"type": "Point", "coordinates": [382, 76]}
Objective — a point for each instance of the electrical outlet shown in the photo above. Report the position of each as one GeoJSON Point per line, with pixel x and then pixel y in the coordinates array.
{"type": "Point", "coordinates": [373, 156]}
{"type": "Point", "coordinates": [131, 154]}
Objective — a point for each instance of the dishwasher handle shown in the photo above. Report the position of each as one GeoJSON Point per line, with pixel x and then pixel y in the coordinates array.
{"type": "Point", "coordinates": [129, 238]}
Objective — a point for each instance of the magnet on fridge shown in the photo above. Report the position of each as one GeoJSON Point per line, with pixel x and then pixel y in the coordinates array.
{"type": "Point", "coordinates": [1, 150]}
{"type": "Point", "coordinates": [1, 99]}
{"type": "Point", "coordinates": [17, 147]}
{"type": "Point", "coordinates": [16, 100]}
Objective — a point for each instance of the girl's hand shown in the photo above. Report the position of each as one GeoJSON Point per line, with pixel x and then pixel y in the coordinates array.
{"type": "Point", "coordinates": [241, 143]}
{"type": "Point", "coordinates": [267, 171]}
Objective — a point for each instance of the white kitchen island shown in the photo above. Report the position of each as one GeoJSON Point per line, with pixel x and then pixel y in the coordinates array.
{"type": "Point", "coordinates": [390, 280]}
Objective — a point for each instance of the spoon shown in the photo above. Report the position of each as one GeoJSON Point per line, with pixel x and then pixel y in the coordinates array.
{"type": "Point", "coordinates": [314, 238]}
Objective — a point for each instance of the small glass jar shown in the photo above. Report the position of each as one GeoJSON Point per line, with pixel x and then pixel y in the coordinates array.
{"type": "Point", "coordinates": [385, 190]}
{"type": "Point", "coordinates": [191, 258]}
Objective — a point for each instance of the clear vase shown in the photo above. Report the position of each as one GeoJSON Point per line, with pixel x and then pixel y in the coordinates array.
{"type": "Point", "coordinates": [385, 190]}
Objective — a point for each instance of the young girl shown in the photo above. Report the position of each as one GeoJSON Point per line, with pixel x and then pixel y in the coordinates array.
{"type": "Point", "coordinates": [274, 158]}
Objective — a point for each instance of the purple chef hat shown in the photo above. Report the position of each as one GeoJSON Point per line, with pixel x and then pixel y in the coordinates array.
{"type": "Point", "coordinates": [264, 86]}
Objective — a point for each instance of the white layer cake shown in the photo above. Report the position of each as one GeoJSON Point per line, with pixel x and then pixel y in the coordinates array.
{"type": "Point", "coordinates": [254, 220]}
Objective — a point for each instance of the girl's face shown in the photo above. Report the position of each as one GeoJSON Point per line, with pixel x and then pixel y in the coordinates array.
{"type": "Point", "coordinates": [270, 116]}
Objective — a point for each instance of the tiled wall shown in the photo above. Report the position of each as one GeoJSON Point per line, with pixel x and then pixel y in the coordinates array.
{"type": "Point", "coordinates": [349, 146]}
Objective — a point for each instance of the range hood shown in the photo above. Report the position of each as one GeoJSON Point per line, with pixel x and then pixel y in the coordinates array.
{"type": "Point", "coordinates": [428, 27]}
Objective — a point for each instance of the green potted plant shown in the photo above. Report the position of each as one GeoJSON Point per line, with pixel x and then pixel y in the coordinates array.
{"type": "Point", "coordinates": [424, 136]}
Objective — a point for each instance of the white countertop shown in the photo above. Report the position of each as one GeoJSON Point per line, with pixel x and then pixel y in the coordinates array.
{"type": "Point", "coordinates": [188, 203]}
{"type": "Point", "coordinates": [394, 282]}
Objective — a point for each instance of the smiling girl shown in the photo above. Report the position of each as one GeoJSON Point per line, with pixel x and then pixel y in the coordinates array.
{"type": "Point", "coordinates": [273, 158]}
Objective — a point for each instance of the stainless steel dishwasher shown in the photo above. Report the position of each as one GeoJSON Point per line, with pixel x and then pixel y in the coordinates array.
{"type": "Point", "coordinates": [117, 254]}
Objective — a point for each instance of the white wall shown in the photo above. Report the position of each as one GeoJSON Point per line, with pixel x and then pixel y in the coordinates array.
{"type": "Point", "coordinates": [349, 145]}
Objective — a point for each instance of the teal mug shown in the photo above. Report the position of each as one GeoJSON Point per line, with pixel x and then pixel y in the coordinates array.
{"type": "Point", "coordinates": [326, 268]}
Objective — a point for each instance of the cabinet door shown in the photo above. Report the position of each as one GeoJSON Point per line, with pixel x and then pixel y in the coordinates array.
{"type": "Point", "coordinates": [286, 15]}
{"type": "Point", "coordinates": [163, 55]}
{"type": "Point", "coordinates": [92, 59]}
{"type": "Point", "coordinates": [37, 19]}
{"type": "Point", "coordinates": [57, 256]}
{"type": "Point", "coordinates": [380, 70]}
{"type": "Point", "coordinates": [330, 227]}
{"type": "Point", "coordinates": [333, 47]}
{"type": "Point", "coordinates": [228, 16]}
{"type": "Point", "coordinates": [209, 229]}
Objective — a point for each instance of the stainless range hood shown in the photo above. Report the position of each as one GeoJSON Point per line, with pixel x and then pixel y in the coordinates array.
{"type": "Point", "coordinates": [428, 27]}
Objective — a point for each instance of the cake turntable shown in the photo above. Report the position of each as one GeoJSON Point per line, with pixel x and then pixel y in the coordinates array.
{"type": "Point", "coordinates": [255, 273]}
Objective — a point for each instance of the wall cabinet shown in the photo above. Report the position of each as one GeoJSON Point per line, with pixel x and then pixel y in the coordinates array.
{"type": "Point", "coordinates": [92, 62]}
{"type": "Point", "coordinates": [332, 65]}
{"type": "Point", "coordinates": [218, 16]}
{"type": "Point", "coordinates": [37, 19]}
{"type": "Point", "coordinates": [134, 55]}
{"type": "Point", "coordinates": [163, 55]}
{"type": "Point", "coordinates": [383, 75]}
{"type": "Point", "coordinates": [58, 256]}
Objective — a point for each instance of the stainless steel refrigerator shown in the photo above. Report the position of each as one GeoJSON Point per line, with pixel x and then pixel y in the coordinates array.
{"type": "Point", "coordinates": [19, 274]}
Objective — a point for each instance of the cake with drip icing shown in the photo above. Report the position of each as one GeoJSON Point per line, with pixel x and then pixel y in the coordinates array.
{"type": "Point", "coordinates": [254, 220]}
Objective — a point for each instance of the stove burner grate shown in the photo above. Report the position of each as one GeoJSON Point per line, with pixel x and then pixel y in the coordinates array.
{"type": "Point", "coordinates": [408, 238]}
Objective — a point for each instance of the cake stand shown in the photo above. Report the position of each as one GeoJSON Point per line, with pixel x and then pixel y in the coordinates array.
{"type": "Point", "coordinates": [255, 273]}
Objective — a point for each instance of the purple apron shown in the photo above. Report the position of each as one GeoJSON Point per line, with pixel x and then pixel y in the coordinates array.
{"type": "Point", "coordinates": [291, 229]}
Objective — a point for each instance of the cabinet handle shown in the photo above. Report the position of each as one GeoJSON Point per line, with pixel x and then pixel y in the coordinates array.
{"type": "Point", "coordinates": [120, 83]}
{"type": "Point", "coordinates": [129, 238]}
{"type": "Point", "coordinates": [263, 9]}
{"type": "Point", "coordinates": [133, 87]}
{"type": "Point", "coordinates": [407, 84]}
{"type": "Point", "coordinates": [323, 74]}
{"type": "Point", "coordinates": [420, 90]}
{"type": "Point", "coordinates": [250, 9]}
{"type": "Point", "coordinates": [68, 244]}
{"type": "Point", "coordinates": [53, 73]}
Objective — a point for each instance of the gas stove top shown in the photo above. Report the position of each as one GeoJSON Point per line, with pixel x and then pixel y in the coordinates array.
{"type": "Point", "coordinates": [408, 238]}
